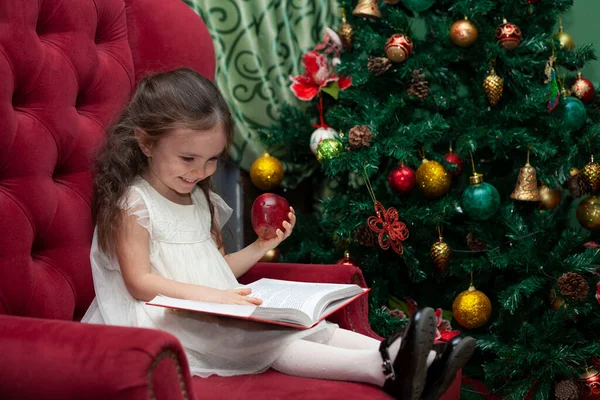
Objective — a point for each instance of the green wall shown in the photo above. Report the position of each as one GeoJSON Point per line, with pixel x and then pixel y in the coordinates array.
{"type": "Point", "coordinates": [582, 23]}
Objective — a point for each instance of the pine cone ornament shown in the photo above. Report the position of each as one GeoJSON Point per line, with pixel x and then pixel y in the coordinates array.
{"type": "Point", "coordinates": [440, 252]}
{"type": "Point", "coordinates": [578, 185]}
{"type": "Point", "coordinates": [474, 243]}
{"type": "Point", "coordinates": [566, 390]}
{"type": "Point", "coordinates": [365, 236]}
{"type": "Point", "coordinates": [418, 86]}
{"type": "Point", "coordinates": [591, 172]}
{"type": "Point", "coordinates": [573, 285]}
{"type": "Point", "coordinates": [378, 65]}
{"type": "Point", "coordinates": [493, 86]}
{"type": "Point", "coordinates": [359, 136]}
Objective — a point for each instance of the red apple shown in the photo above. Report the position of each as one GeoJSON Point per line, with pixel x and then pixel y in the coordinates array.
{"type": "Point", "coordinates": [268, 213]}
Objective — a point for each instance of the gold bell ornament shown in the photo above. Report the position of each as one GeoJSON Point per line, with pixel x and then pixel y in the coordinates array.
{"type": "Point", "coordinates": [526, 188]}
{"type": "Point", "coordinates": [493, 86]}
{"type": "Point", "coordinates": [367, 9]}
{"type": "Point", "coordinates": [266, 172]}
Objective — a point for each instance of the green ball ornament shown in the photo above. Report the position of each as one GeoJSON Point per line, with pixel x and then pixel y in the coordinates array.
{"type": "Point", "coordinates": [480, 200]}
{"type": "Point", "coordinates": [418, 6]}
{"type": "Point", "coordinates": [328, 149]}
{"type": "Point", "coordinates": [570, 114]}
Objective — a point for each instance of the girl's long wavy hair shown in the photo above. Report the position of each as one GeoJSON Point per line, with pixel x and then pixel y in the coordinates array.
{"type": "Point", "coordinates": [177, 99]}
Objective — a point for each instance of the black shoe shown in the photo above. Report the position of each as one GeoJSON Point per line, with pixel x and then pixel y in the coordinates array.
{"type": "Point", "coordinates": [406, 377]}
{"type": "Point", "coordinates": [450, 357]}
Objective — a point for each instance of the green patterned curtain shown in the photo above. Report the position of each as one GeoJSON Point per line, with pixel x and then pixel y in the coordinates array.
{"type": "Point", "coordinates": [259, 44]}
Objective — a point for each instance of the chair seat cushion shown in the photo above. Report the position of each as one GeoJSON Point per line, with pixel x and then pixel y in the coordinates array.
{"type": "Point", "coordinates": [274, 385]}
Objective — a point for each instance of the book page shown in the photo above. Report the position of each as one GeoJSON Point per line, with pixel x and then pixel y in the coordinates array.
{"type": "Point", "coordinates": [211, 308]}
{"type": "Point", "coordinates": [302, 296]}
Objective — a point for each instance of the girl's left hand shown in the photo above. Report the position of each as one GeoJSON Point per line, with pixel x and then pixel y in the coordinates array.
{"type": "Point", "coordinates": [268, 244]}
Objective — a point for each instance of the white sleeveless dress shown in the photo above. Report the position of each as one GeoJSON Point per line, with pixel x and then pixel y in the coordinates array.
{"type": "Point", "coordinates": [182, 249]}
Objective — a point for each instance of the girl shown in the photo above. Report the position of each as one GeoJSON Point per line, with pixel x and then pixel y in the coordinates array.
{"type": "Point", "coordinates": [159, 232]}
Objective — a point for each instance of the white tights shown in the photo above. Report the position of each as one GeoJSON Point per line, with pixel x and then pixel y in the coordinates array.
{"type": "Point", "coordinates": [348, 356]}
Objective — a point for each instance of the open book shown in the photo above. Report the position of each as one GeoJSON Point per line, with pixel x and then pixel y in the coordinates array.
{"type": "Point", "coordinates": [296, 304]}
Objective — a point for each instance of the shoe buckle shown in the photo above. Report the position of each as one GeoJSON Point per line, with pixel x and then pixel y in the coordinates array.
{"type": "Point", "coordinates": [388, 369]}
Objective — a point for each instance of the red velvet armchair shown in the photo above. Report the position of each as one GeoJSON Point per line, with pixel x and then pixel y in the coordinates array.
{"type": "Point", "coordinates": [67, 67]}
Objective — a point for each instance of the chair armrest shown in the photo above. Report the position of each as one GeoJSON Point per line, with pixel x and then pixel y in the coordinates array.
{"type": "Point", "coordinates": [354, 317]}
{"type": "Point", "coordinates": [49, 359]}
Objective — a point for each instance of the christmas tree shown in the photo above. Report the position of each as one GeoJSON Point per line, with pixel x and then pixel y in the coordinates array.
{"type": "Point", "coordinates": [459, 175]}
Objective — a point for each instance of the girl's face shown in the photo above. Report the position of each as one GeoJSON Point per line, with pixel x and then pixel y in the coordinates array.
{"type": "Point", "coordinates": [182, 158]}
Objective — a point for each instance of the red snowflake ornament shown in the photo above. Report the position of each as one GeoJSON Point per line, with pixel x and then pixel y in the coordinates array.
{"type": "Point", "coordinates": [391, 232]}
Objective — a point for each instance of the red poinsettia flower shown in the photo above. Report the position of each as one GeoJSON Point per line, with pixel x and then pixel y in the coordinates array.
{"type": "Point", "coordinates": [317, 76]}
{"type": "Point", "coordinates": [444, 330]}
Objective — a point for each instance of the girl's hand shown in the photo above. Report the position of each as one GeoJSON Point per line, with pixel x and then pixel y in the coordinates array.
{"type": "Point", "coordinates": [268, 244]}
{"type": "Point", "coordinates": [236, 296]}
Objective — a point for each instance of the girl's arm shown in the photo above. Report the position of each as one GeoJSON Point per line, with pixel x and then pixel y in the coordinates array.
{"type": "Point", "coordinates": [134, 258]}
{"type": "Point", "coordinates": [241, 261]}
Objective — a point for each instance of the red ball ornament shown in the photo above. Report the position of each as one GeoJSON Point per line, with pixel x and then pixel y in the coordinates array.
{"type": "Point", "coordinates": [455, 159]}
{"type": "Point", "coordinates": [583, 89]}
{"type": "Point", "coordinates": [346, 260]}
{"type": "Point", "coordinates": [533, 2]}
{"type": "Point", "coordinates": [402, 179]}
{"type": "Point", "coordinates": [589, 385]}
{"type": "Point", "coordinates": [398, 48]}
{"type": "Point", "coordinates": [508, 35]}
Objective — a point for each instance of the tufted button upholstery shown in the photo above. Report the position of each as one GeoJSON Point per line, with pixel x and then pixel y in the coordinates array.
{"type": "Point", "coordinates": [67, 67]}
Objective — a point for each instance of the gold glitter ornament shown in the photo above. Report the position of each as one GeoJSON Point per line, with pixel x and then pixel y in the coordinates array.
{"type": "Point", "coordinates": [493, 86]}
{"type": "Point", "coordinates": [266, 172]}
{"type": "Point", "coordinates": [591, 171]}
{"type": "Point", "coordinates": [472, 308]}
{"type": "Point", "coordinates": [588, 213]}
{"type": "Point", "coordinates": [433, 179]}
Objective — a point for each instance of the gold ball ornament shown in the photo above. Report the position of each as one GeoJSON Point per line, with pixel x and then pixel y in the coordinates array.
{"type": "Point", "coordinates": [550, 198]}
{"type": "Point", "coordinates": [271, 256]}
{"type": "Point", "coordinates": [329, 148]}
{"type": "Point", "coordinates": [472, 308]}
{"type": "Point", "coordinates": [556, 302]}
{"type": "Point", "coordinates": [440, 252]}
{"type": "Point", "coordinates": [266, 172]}
{"type": "Point", "coordinates": [493, 86]}
{"type": "Point", "coordinates": [398, 48]}
{"type": "Point", "coordinates": [588, 213]}
{"type": "Point", "coordinates": [433, 179]}
{"type": "Point", "coordinates": [566, 41]}
{"type": "Point", "coordinates": [463, 33]}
